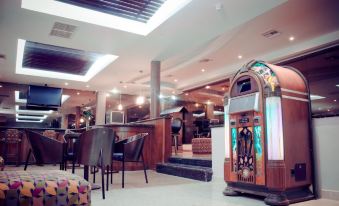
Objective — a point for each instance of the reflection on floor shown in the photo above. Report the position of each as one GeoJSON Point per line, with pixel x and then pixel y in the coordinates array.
{"type": "Point", "coordinates": [185, 151]}
{"type": "Point", "coordinates": [165, 190]}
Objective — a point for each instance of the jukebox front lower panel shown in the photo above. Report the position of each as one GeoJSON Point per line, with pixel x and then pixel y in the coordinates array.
{"type": "Point", "coordinates": [247, 149]}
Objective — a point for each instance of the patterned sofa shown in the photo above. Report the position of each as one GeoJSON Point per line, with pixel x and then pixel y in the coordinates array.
{"type": "Point", "coordinates": [2, 164]}
{"type": "Point", "coordinates": [43, 188]}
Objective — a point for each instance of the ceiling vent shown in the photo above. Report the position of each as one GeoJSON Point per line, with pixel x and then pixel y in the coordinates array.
{"type": "Point", "coordinates": [271, 33]}
{"type": "Point", "coordinates": [62, 30]}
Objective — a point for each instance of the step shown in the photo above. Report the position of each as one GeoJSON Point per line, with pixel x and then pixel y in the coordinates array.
{"type": "Point", "coordinates": [188, 171]}
{"type": "Point", "coordinates": [191, 161]}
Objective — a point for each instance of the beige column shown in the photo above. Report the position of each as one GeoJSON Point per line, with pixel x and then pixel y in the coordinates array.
{"type": "Point", "coordinates": [155, 89]}
{"type": "Point", "coordinates": [100, 108]}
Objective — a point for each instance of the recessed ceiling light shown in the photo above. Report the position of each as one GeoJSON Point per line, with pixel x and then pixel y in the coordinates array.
{"type": "Point", "coordinates": [66, 83]}
{"type": "Point", "coordinates": [78, 93]}
{"type": "Point", "coordinates": [87, 86]}
{"type": "Point", "coordinates": [209, 102]}
{"type": "Point", "coordinates": [203, 70]}
{"type": "Point", "coordinates": [239, 57]}
{"type": "Point", "coordinates": [316, 97]}
{"type": "Point", "coordinates": [115, 91]}
{"type": "Point", "coordinates": [108, 95]}
{"type": "Point", "coordinates": [208, 87]}
{"type": "Point", "coordinates": [291, 38]}
{"type": "Point", "coordinates": [173, 97]}
{"type": "Point", "coordinates": [61, 9]}
{"type": "Point", "coordinates": [161, 96]}
{"type": "Point", "coordinates": [335, 100]}
{"type": "Point", "coordinates": [186, 94]}
{"type": "Point", "coordinates": [98, 65]}
{"type": "Point", "coordinates": [175, 80]}
{"type": "Point", "coordinates": [328, 110]}
{"type": "Point", "coordinates": [0, 86]}
{"type": "Point", "coordinates": [120, 107]}
{"type": "Point", "coordinates": [140, 100]}
{"type": "Point", "coordinates": [125, 86]}
{"type": "Point", "coordinates": [173, 92]}
{"type": "Point", "coordinates": [337, 85]}
{"type": "Point", "coordinates": [223, 88]}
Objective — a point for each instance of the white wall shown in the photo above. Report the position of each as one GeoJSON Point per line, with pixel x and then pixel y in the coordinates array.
{"type": "Point", "coordinates": [218, 152]}
{"type": "Point", "coordinates": [326, 150]}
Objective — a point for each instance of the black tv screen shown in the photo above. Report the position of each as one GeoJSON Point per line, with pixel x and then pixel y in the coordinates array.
{"type": "Point", "coordinates": [44, 96]}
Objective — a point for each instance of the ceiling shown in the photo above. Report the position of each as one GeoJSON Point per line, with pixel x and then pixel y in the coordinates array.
{"type": "Point", "coordinates": [207, 35]}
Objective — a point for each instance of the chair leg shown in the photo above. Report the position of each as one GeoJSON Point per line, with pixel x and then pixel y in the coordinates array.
{"type": "Point", "coordinates": [102, 175]}
{"type": "Point", "coordinates": [107, 176]}
{"type": "Point", "coordinates": [143, 164]}
{"type": "Point", "coordinates": [28, 156]}
{"type": "Point", "coordinates": [112, 173]}
{"type": "Point", "coordinates": [123, 173]}
{"type": "Point", "coordinates": [94, 172]}
{"type": "Point", "coordinates": [73, 166]}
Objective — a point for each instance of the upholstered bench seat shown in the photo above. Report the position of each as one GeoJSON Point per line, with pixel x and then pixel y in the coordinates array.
{"type": "Point", "coordinates": [43, 188]}
{"type": "Point", "coordinates": [201, 145]}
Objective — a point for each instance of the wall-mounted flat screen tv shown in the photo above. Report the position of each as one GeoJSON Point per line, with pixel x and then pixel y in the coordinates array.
{"type": "Point", "coordinates": [40, 96]}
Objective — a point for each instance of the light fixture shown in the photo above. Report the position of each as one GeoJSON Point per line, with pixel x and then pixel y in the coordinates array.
{"type": "Point", "coordinates": [26, 111]}
{"type": "Point", "coordinates": [208, 87]}
{"type": "Point", "coordinates": [61, 9]}
{"type": "Point", "coordinates": [337, 85]}
{"type": "Point", "coordinates": [120, 105]}
{"type": "Point", "coordinates": [0, 86]}
{"type": "Point", "coordinates": [328, 110]}
{"type": "Point", "coordinates": [291, 38]}
{"type": "Point", "coordinates": [316, 97]}
{"type": "Point", "coordinates": [196, 105]}
{"type": "Point", "coordinates": [94, 69]}
{"type": "Point", "coordinates": [203, 70]}
{"type": "Point", "coordinates": [87, 86]}
{"type": "Point", "coordinates": [239, 57]}
{"type": "Point", "coordinates": [108, 95]}
{"type": "Point", "coordinates": [173, 92]}
{"type": "Point", "coordinates": [175, 80]}
{"type": "Point", "coordinates": [335, 100]}
{"type": "Point", "coordinates": [115, 91]}
{"type": "Point", "coordinates": [31, 120]}
{"type": "Point", "coordinates": [140, 100]}
{"type": "Point", "coordinates": [173, 97]}
{"type": "Point", "coordinates": [23, 116]}
{"type": "Point", "coordinates": [125, 86]}
{"type": "Point", "coordinates": [82, 120]}
{"type": "Point", "coordinates": [78, 93]}
{"type": "Point", "coordinates": [209, 102]}
{"type": "Point", "coordinates": [186, 94]}
{"type": "Point", "coordinates": [223, 88]}
{"type": "Point", "coordinates": [161, 96]}
{"type": "Point", "coordinates": [66, 83]}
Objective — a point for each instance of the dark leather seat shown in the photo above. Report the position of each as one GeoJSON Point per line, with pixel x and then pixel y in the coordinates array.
{"type": "Point", "coordinates": [130, 150]}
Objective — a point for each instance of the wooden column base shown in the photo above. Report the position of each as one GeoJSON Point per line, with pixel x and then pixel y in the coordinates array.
{"type": "Point", "coordinates": [271, 197]}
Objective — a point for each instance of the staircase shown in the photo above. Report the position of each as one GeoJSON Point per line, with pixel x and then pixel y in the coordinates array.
{"type": "Point", "coordinates": [192, 168]}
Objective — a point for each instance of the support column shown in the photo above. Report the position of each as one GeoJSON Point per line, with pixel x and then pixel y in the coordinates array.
{"type": "Point", "coordinates": [77, 117]}
{"type": "Point", "coordinates": [155, 89]}
{"type": "Point", "coordinates": [100, 108]}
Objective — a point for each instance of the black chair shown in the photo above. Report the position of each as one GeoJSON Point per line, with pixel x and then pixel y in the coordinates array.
{"type": "Point", "coordinates": [45, 150]}
{"type": "Point", "coordinates": [176, 127]}
{"type": "Point", "coordinates": [130, 150]}
{"type": "Point", "coordinates": [95, 148]}
{"type": "Point", "coordinates": [70, 149]}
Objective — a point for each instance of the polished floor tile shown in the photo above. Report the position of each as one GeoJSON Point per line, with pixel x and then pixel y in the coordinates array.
{"type": "Point", "coordinates": [166, 190]}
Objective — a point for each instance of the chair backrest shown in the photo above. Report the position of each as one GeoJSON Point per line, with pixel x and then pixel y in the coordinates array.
{"type": "Point", "coordinates": [176, 125]}
{"type": "Point", "coordinates": [133, 147]}
{"type": "Point", "coordinates": [45, 150]}
{"type": "Point", "coordinates": [91, 142]}
{"type": "Point", "coordinates": [13, 135]}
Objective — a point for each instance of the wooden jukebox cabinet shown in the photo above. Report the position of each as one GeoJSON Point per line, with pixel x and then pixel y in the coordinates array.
{"type": "Point", "coordinates": [268, 147]}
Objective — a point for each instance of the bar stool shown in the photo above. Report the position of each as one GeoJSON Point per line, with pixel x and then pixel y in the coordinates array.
{"type": "Point", "coordinates": [176, 127]}
{"type": "Point", "coordinates": [12, 136]}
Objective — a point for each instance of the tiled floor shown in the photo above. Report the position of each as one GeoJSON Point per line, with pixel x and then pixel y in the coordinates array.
{"type": "Point", "coordinates": [164, 190]}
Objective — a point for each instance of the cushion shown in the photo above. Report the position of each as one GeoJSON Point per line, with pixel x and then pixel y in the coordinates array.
{"type": "Point", "coordinates": [201, 145]}
{"type": "Point", "coordinates": [38, 188]}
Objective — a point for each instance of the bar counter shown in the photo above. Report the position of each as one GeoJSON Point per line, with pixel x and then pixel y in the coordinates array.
{"type": "Point", "coordinates": [157, 145]}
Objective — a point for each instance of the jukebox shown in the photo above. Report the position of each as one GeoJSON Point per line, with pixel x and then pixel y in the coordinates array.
{"type": "Point", "coordinates": [268, 137]}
